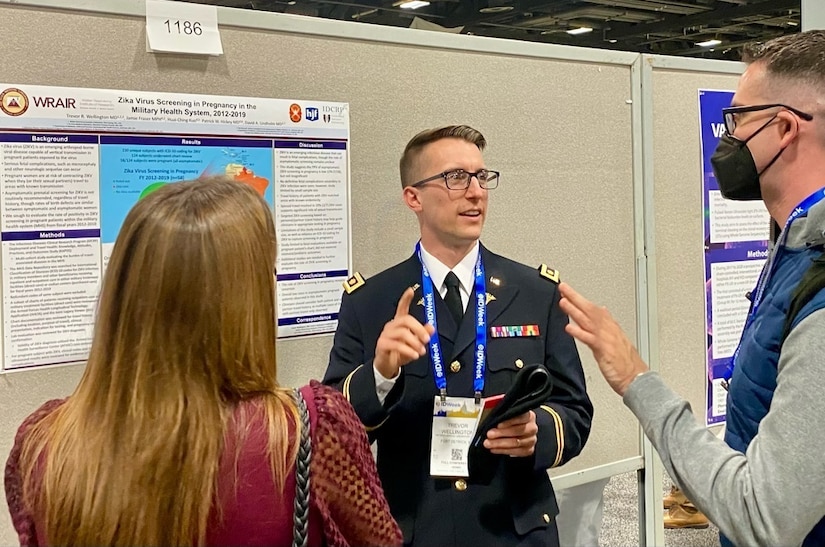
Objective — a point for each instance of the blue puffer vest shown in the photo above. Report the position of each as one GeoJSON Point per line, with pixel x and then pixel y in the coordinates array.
{"type": "Point", "coordinates": [754, 378]}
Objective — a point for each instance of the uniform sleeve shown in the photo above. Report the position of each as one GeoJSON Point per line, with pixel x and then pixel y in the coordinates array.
{"type": "Point", "coordinates": [564, 419]}
{"type": "Point", "coordinates": [351, 499]}
{"type": "Point", "coordinates": [772, 494]}
{"type": "Point", "coordinates": [21, 516]}
{"type": "Point", "coordinates": [350, 370]}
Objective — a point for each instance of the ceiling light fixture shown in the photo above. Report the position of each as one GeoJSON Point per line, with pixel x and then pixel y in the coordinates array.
{"type": "Point", "coordinates": [612, 40]}
{"type": "Point", "coordinates": [580, 30]}
{"type": "Point", "coordinates": [793, 24]}
{"type": "Point", "coordinates": [413, 4]}
{"type": "Point", "coordinates": [709, 43]}
{"type": "Point", "coordinates": [495, 9]}
{"type": "Point", "coordinates": [364, 13]}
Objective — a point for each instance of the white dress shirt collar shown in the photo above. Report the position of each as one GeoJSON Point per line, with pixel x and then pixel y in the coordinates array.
{"type": "Point", "coordinates": [464, 270]}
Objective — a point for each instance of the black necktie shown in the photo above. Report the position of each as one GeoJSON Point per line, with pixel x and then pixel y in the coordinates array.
{"type": "Point", "coordinates": [453, 297]}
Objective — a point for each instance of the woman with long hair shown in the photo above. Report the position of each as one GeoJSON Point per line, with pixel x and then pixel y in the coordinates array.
{"type": "Point", "coordinates": [178, 432]}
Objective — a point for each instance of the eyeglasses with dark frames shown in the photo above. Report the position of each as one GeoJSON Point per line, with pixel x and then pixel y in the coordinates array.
{"type": "Point", "coordinates": [731, 112]}
{"type": "Point", "coordinates": [459, 179]}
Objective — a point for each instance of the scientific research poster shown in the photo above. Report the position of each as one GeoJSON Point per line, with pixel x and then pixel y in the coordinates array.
{"type": "Point", "coordinates": [73, 162]}
{"type": "Point", "coordinates": [736, 237]}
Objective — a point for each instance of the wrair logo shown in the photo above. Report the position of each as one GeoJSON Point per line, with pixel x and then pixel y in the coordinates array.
{"type": "Point", "coordinates": [13, 102]}
{"type": "Point", "coordinates": [295, 112]}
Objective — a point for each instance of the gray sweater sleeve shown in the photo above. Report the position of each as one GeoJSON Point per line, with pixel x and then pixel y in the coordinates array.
{"type": "Point", "coordinates": [773, 494]}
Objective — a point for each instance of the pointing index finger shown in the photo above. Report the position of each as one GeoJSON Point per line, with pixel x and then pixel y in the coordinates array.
{"type": "Point", "coordinates": [404, 304]}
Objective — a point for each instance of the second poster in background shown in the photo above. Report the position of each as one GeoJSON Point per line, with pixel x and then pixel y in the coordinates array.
{"type": "Point", "coordinates": [736, 235]}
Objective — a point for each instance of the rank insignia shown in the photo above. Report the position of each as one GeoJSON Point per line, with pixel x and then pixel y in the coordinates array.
{"type": "Point", "coordinates": [549, 273]}
{"type": "Point", "coordinates": [354, 283]}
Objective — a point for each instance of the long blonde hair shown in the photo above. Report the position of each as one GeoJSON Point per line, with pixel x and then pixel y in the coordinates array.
{"type": "Point", "coordinates": [185, 329]}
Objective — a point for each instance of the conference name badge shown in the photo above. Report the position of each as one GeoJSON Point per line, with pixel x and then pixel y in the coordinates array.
{"type": "Point", "coordinates": [455, 420]}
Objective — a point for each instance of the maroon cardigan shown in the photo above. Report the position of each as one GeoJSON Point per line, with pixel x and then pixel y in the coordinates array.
{"type": "Point", "coordinates": [251, 511]}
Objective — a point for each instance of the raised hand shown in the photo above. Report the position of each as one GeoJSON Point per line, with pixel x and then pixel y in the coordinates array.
{"type": "Point", "coordinates": [616, 355]}
{"type": "Point", "coordinates": [403, 340]}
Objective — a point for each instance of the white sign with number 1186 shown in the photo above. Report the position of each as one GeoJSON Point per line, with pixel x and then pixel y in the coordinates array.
{"type": "Point", "coordinates": [181, 27]}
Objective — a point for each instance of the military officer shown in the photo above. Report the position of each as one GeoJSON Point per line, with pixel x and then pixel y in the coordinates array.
{"type": "Point", "coordinates": [452, 323]}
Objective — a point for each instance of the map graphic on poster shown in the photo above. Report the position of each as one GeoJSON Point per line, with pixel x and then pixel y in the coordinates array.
{"type": "Point", "coordinates": [132, 167]}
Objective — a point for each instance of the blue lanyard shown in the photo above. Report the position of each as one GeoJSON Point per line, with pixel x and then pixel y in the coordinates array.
{"type": "Point", "coordinates": [436, 356]}
{"type": "Point", "coordinates": [768, 271]}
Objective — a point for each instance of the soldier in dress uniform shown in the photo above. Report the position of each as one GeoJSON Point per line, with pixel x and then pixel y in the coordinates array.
{"type": "Point", "coordinates": [455, 322]}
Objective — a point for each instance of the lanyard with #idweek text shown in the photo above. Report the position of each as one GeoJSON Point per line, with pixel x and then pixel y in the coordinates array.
{"type": "Point", "coordinates": [480, 318]}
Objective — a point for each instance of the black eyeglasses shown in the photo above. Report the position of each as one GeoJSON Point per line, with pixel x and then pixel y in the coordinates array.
{"type": "Point", "coordinates": [459, 179]}
{"type": "Point", "coordinates": [731, 112]}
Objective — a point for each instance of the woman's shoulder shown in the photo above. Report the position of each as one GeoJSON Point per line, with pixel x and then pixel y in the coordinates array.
{"type": "Point", "coordinates": [324, 394]}
{"type": "Point", "coordinates": [21, 518]}
{"type": "Point", "coordinates": [32, 419]}
{"type": "Point", "coordinates": [328, 400]}
{"type": "Point", "coordinates": [333, 408]}
{"type": "Point", "coordinates": [22, 432]}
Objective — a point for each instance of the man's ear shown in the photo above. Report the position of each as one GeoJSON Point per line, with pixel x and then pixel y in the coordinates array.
{"type": "Point", "coordinates": [788, 128]}
{"type": "Point", "coordinates": [412, 198]}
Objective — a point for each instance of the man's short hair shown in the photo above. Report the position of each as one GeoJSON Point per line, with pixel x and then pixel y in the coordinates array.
{"type": "Point", "coordinates": [413, 148]}
{"type": "Point", "coordinates": [799, 56]}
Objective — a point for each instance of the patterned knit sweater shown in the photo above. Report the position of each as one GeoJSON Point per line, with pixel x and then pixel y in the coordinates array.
{"type": "Point", "coordinates": [347, 504]}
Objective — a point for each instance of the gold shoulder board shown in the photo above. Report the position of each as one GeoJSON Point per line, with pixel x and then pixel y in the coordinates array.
{"type": "Point", "coordinates": [353, 283]}
{"type": "Point", "coordinates": [549, 273]}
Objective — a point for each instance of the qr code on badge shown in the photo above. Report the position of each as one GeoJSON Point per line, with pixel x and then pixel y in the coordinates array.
{"type": "Point", "coordinates": [455, 454]}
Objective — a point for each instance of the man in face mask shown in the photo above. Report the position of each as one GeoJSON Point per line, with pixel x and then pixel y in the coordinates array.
{"type": "Point", "coordinates": [764, 484]}
{"type": "Point", "coordinates": [733, 161]}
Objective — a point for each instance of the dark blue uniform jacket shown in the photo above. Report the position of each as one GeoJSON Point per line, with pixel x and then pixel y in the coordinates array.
{"type": "Point", "coordinates": [518, 507]}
